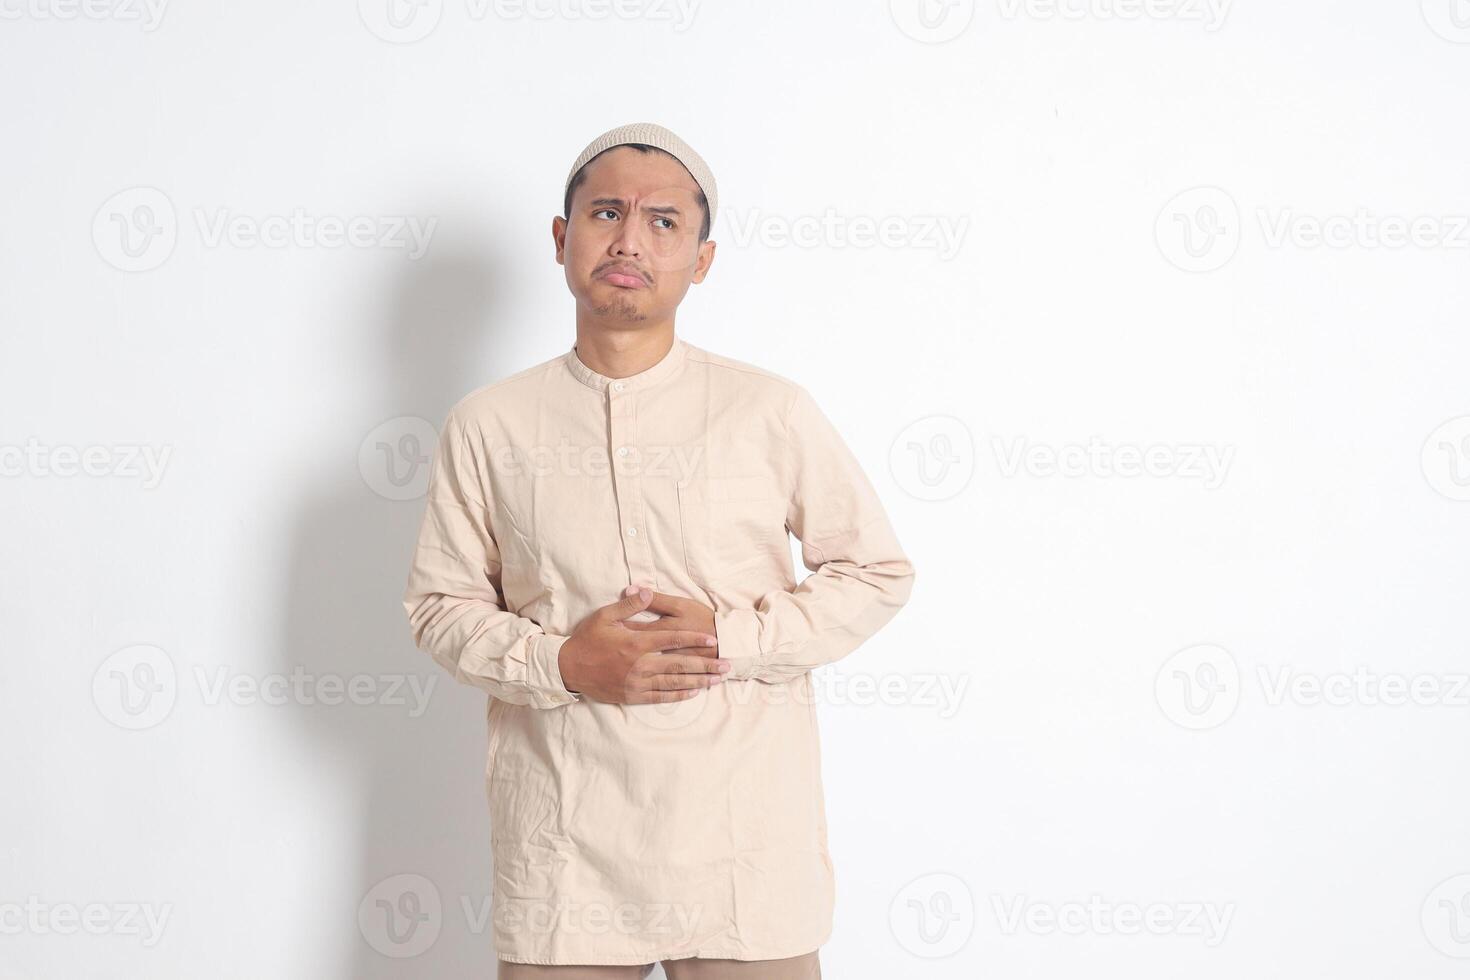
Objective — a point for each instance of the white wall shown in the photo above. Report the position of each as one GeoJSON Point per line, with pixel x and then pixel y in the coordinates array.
{"type": "Point", "coordinates": [1082, 701]}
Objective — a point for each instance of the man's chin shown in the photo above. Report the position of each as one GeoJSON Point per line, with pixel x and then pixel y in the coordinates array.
{"type": "Point", "coordinates": [619, 308]}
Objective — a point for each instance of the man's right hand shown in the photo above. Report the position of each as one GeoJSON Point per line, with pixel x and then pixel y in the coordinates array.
{"type": "Point", "coordinates": [606, 661]}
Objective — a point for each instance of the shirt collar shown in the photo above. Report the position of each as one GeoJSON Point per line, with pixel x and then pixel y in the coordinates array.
{"type": "Point", "coordinates": [665, 367]}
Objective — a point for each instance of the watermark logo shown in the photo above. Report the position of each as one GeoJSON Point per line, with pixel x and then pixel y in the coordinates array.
{"type": "Point", "coordinates": [307, 689]}
{"type": "Point", "coordinates": [1362, 230]}
{"type": "Point", "coordinates": [1210, 13]}
{"type": "Point", "coordinates": [565, 917]}
{"type": "Point", "coordinates": [1450, 19]}
{"type": "Point", "coordinates": [1099, 917]}
{"type": "Point", "coordinates": [1445, 459]}
{"type": "Point", "coordinates": [943, 694]}
{"type": "Point", "coordinates": [136, 687]}
{"type": "Point", "coordinates": [136, 229]}
{"type": "Point", "coordinates": [408, 21]}
{"type": "Point", "coordinates": [1198, 230]}
{"type": "Point", "coordinates": [396, 458]}
{"type": "Point", "coordinates": [148, 14]}
{"type": "Point", "coordinates": [122, 461]}
{"type": "Point", "coordinates": [400, 21]}
{"type": "Point", "coordinates": [1198, 687]}
{"type": "Point", "coordinates": [567, 458]}
{"type": "Point", "coordinates": [932, 21]}
{"type": "Point", "coordinates": [678, 13]}
{"type": "Point", "coordinates": [144, 920]}
{"type": "Point", "coordinates": [1362, 688]}
{"type": "Point", "coordinates": [401, 916]}
{"type": "Point", "coordinates": [668, 716]}
{"type": "Point", "coordinates": [1445, 917]}
{"type": "Point", "coordinates": [933, 458]}
{"type": "Point", "coordinates": [1207, 463]}
{"type": "Point", "coordinates": [941, 234]}
{"type": "Point", "coordinates": [933, 916]}
{"type": "Point", "coordinates": [301, 229]}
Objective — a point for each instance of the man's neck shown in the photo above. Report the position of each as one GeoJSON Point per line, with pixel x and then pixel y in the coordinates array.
{"type": "Point", "coordinates": [622, 353]}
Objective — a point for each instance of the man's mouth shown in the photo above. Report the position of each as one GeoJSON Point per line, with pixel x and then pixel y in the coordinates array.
{"type": "Point", "coordinates": [625, 279]}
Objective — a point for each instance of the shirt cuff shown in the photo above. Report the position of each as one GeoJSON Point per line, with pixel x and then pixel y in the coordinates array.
{"type": "Point", "coordinates": [543, 672]}
{"type": "Point", "coordinates": [738, 633]}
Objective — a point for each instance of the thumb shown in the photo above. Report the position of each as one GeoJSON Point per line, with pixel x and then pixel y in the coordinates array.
{"type": "Point", "coordinates": [634, 600]}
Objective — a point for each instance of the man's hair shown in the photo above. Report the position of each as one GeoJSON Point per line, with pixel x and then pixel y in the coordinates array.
{"type": "Point", "coordinates": [581, 175]}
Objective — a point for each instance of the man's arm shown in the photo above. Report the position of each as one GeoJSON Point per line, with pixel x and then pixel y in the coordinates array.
{"type": "Point", "coordinates": [454, 601]}
{"type": "Point", "coordinates": [861, 575]}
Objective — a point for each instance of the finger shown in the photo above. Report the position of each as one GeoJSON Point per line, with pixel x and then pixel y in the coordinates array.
{"type": "Point", "coordinates": [662, 602]}
{"type": "Point", "coordinates": [662, 623]}
{"type": "Point", "coordinates": [686, 663]}
{"type": "Point", "coordinates": [658, 697]}
{"type": "Point", "coordinates": [628, 605]}
{"type": "Point", "coordinates": [703, 653]}
{"type": "Point", "coordinates": [653, 641]}
{"type": "Point", "coordinates": [685, 682]}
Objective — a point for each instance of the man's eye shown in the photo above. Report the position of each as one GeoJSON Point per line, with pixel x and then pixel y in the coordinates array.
{"type": "Point", "coordinates": [604, 211]}
{"type": "Point", "coordinates": [668, 224]}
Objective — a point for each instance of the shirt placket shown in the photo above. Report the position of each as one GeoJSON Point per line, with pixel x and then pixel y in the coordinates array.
{"type": "Point", "coordinates": [627, 481]}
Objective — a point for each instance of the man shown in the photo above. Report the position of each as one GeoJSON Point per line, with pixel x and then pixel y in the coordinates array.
{"type": "Point", "coordinates": [605, 551]}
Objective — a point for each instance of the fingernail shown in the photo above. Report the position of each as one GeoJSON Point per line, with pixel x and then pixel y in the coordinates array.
{"type": "Point", "coordinates": [644, 593]}
{"type": "Point", "coordinates": [709, 641]}
{"type": "Point", "coordinates": [717, 678]}
{"type": "Point", "coordinates": [630, 590]}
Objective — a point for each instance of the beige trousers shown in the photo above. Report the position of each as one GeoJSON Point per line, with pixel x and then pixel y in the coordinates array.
{"type": "Point", "coordinates": [804, 967]}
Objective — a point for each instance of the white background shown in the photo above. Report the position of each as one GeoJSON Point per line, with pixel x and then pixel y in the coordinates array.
{"type": "Point", "coordinates": [1116, 736]}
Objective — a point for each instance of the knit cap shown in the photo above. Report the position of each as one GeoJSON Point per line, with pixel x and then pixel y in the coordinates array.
{"type": "Point", "coordinates": [653, 135]}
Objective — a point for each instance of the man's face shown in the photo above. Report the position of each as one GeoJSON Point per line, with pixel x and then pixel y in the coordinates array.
{"type": "Point", "coordinates": [630, 245]}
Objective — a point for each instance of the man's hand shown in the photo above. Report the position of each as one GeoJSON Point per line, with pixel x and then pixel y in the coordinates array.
{"type": "Point", "coordinates": [679, 613]}
{"type": "Point", "coordinates": [606, 659]}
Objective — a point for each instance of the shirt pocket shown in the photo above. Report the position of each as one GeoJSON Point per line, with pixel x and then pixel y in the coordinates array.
{"type": "Point", "coordinates": [731, 525]}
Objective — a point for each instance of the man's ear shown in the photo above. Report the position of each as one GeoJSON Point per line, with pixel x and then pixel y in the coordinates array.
{"type": "Point", "coordinates": [559, 236]}
{"type": "Point", "coordinates": [705, 260]}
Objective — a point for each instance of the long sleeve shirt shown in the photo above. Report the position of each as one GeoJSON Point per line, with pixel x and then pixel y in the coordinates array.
{"type": "Point", "coordinates": [628, 834]}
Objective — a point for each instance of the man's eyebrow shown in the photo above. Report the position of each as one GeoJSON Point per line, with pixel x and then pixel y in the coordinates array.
{"type": "Point", "coordinates": [622, 205]}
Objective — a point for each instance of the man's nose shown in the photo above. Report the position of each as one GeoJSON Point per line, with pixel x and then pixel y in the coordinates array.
{"type": "Point", "coordinates": [629, 240]}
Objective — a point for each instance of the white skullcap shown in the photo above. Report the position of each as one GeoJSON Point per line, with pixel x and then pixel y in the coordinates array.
{"type": "Point", "coordinates": [653, 135]}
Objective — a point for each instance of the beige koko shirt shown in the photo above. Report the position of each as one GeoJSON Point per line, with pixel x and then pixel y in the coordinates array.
{"type": "Point", "coordinates": [634, 833]}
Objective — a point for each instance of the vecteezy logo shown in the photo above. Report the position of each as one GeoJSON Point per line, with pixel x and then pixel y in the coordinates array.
{"type": "Point", "coordinates": [400, 21]}
{"type": "Point", "coordinates": [1446, 917]}
{"type": "Point", "coordinates": [401, 916]}
{"type": "Point", "coordinates": [933, 916]}
{"type": "Point", "coordinates": [135, 230]}
{"type": "Point", "coordinates": [1445, 458]}
{"type": "Point", "coordinates": [933, 458]}
{"type": "Point", "coordinates": [136, 687]}
{"type": "Point", "coordinates": [1198, 687]}
{"type": "Point", "coordinates": [932, 21]}
{"type": "Point", "coordinates": [395, 459]}
{"type": "Point", "coordinates": [1450, 19]}
{"type": "Point", "coordinates": [1199, 229]}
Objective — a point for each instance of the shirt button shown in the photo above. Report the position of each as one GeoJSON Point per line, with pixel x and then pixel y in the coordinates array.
{"type": "Point", "coordinates": [632, 532]}
{"type": "Point", "coordinates": [618, 386]}
{"type": "Point", "coordinates": [622, 450]}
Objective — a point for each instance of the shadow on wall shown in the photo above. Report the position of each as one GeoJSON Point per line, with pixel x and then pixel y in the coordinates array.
{"type": "Point", "coordinates": [417, 902]}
